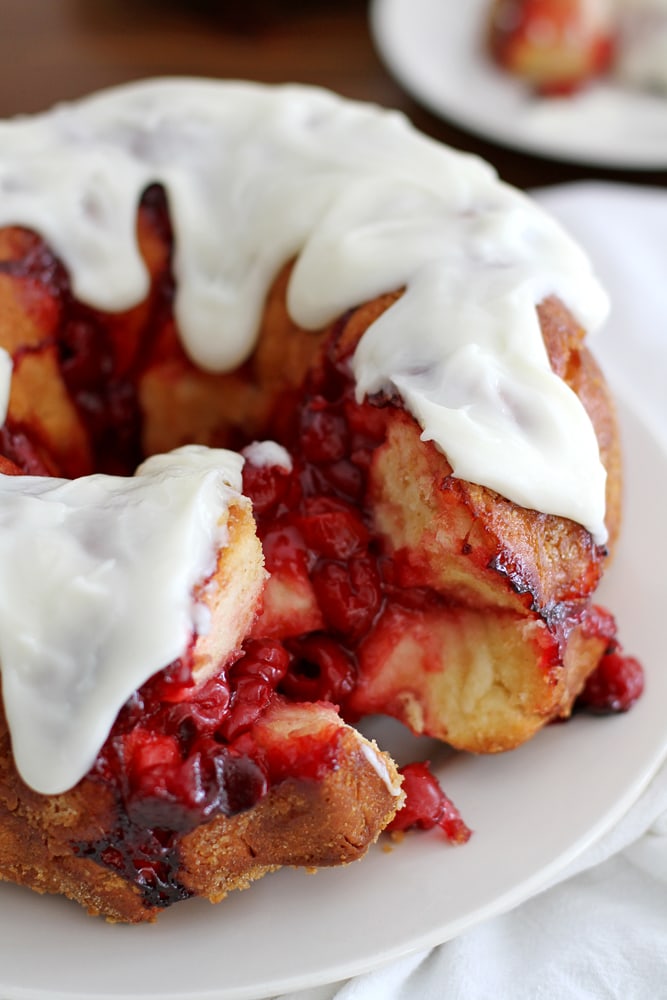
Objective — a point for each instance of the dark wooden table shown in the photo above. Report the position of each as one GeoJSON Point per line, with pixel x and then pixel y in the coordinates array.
{"type": "Point", "coordinates": [57, 49]}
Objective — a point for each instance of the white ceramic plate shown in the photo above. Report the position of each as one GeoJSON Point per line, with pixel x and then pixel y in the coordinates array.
{"type": "Point", "coordinates": [532, 811]}
{"type": "Point", "coordinates": [435, 49]}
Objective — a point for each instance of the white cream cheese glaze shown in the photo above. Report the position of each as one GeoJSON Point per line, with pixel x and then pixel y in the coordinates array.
{"type": "Point", "coordinates": [256, 176]}
{"type": "Point", "coordinates": [100, 596]}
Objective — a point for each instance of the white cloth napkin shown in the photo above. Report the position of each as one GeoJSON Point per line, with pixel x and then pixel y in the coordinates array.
{"type": "Point", "coordinates": [600, 929]}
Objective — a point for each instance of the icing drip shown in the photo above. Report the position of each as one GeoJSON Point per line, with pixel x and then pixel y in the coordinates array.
{"type": "Point", "coordinates": [100, 597]}
{"type": "Point", "coordinates": [257, 175]}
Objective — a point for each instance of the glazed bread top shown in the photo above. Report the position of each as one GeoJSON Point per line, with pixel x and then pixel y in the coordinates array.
{"type": "Point", "coordinates": [99, 590]}
{"type": "Point", "coordinates": [257, 175]}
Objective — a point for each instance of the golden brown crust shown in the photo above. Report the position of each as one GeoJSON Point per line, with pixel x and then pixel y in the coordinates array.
{"type": "Point", "coordinates": [232, 594]}
{"type": "Point", "coordinates": [325, 821]}
{"type": "Point", "coordinates": [511, 647]}
{"type": "Point", "coordinates": [571, 359]}
{"type": "Point", "coordinates": [306, 823]}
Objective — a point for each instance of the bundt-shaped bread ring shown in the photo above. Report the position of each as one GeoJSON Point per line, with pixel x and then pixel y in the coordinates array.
{"type": "Point", "coordinates": [386, 581]}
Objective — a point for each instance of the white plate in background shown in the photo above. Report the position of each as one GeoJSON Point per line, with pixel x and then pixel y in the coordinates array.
{"type": "Point", "coordinates": [435, 48]}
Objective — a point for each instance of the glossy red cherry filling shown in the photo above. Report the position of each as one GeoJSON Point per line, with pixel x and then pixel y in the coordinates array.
{"type": "Point", "coordinates": [314, 530]}
{"type": "Point", "coordinates": [181, 753]}
{"type": "Point", "coordinates": [426, 806]}
{"type": "Point", "coordinates": [618, 680]}
{"type": "Point", "coordinates": [615, 685]}
{"type": "Point", "coordinates": [107, 403]}
{"type": "Point", "coordinates": [315, 524]}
